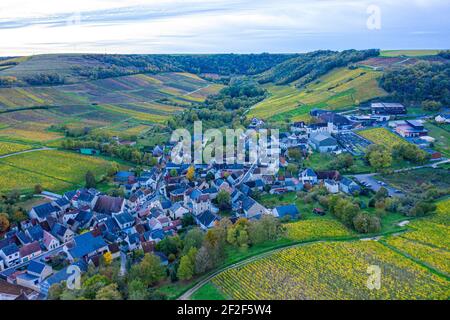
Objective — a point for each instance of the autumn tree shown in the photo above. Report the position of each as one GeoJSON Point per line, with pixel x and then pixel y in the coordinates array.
{"type": "Point", "coordinates": [187, 265]}
{"type": "Point", "coordinates": [4, 222]}
{"type": "Point", "coordinates": [109, 292]}
{"type": "Point", "coordinates": [149, 270]}
{"type": "Point", "coordinates": [137, 290]}
{"type": "Point", "coordinates": [379, 157]}
{"type": "Point", "coordinates": [190, 173]}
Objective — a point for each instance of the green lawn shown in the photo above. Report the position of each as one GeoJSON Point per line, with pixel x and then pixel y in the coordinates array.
{"type": "Point", "coordinates": [442, 136]}
{"type": "Point", "coordinates": [208, 292]}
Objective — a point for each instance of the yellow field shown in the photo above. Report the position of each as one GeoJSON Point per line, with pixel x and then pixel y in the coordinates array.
{"type": "Point", "coordinates": [316, 229]}
{"type": "Point", "coordinates": [32, 134]}
{"type": "Point", "coordinates": [382, 136]}
{"type": "Point", "coordinates": [332, 271]}
{"type": "Point", "coordinates": [339, 89]}
{"type": "Point", "coordinates": [55, 170]}
{"type": "Point", "coordinates": [9, 147]}
{"type": "Point", "coordinates": [429, 239]}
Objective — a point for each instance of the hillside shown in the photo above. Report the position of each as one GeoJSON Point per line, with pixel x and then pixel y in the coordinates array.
{"type": "Point", "coordinates": [341, 88]}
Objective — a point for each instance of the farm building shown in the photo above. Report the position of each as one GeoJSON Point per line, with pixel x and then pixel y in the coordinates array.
{"type": "Point", "coordinates": [323, 143]}
{"type": "Point", "coordinates": [388, 108]}
{"type": "Point", "coordinates": [411, 128]}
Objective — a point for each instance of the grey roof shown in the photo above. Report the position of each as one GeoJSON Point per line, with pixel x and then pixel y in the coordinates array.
{"type": "Point", "coordinates": [44, 210]}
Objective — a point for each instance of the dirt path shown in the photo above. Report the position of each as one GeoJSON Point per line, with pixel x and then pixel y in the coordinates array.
{"type": "Point", "coordinates": [26, 151]}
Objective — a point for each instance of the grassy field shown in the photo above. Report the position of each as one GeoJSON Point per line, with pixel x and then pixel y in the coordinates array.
{"type": "Point", "coordinates": [11, 147]}
{"type": "Point", "coordinates": [342, 88]}
{"type": "Point", "coordinates": [408, 53]}
{"type": "Point", "coordinates": [382, 136]}
{"type": "Point", "coordinates": [54, 170]}
{"type": "Point", "coordinates": [208, 292]}
{"type": "Point", "coordinates": [442, 136]}
{"type": "Point", "coordinates": [336, 270]}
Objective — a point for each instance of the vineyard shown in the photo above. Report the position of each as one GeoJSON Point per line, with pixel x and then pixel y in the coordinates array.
{"type": "Point", "coordinates": [54, 170]}
{"type": "Point", "coordinates": [332, 271]}
{"type": "Point", "coordinates": [10, 147]}
{"type": "Point", "coordinates": [429, 239]}
{"type": "Point", "coordinates": [382, 136]}
{"type": "Point", "coordinates": [315, 229]}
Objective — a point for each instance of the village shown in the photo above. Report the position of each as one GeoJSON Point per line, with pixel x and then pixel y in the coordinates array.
{"type": "Point", "coordinates": [81, 226]}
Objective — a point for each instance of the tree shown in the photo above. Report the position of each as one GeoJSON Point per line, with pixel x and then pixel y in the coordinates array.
{"type": "Point", "coordinates": [149, 270]}
{"type": "Point", "coordinates": [379, 156]}
{"type": "Point", "coordinates": [90, 180]}
{"type": "Point", "coordinates": [295, 154]}
{"type": "Point", "coordinates": [343, 161]}
{"type": "Point", "coordinates": [38, 189]}
{"type": "Point", "coordinates": [237, 234]}
{"type": "Point", "coordinates": [55, 291]}
{"type": "Point", "coordinates": [422, 209]}
{"type": "Point", "coordinates": [224, 200]}
{"type": "Point", "coordinates": [107, 257]}
{"type": "Point", "coordinates": [4, 222]}
{"type": "Point", "coordinates": [203, 261]}
{"type": "Point", "coordinates": [109, 292]}
{"type": "Point", "coordinates": [193, 239]}
{"type": "Point", "coordinates": [137, 290]}
{"type": "Point", "coordinates": [187, 265]}
{"type": "Point", "coordinates": [431, 105]}
{"type": "Point", "coordinates": [173, 172]}
{"type": "Point", "coordinates": [190, 173]}
{"type": "Point", "coordinates": [169, 245]}
{"type": "Point", "coordinates": [113, 169]}
{"type": "Point", "coordinates": [92, 285]}
{"type": "Point", "coordinates": [292, 169]}
{"type": "Point", "coordinates": [365, 223]}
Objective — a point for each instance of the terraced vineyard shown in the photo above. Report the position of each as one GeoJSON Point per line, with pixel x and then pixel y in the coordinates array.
{"type": "Point", "coordinates": [332, 271]}
{"type": "Point", "coordinates": [146, 98]}
{"type": "Point", "coordinates": [54, 170]}
{"type": "Point", "coordinates": [342, 88]}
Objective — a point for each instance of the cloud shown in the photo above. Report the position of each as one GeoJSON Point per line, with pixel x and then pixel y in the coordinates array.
{"type": "Point", "coordinates": [200, 26]}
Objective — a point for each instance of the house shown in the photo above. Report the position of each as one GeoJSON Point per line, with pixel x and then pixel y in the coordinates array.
{"type": "Point", "coordinates": [83, 220]}
{"type": "Point", "coordinates": [206, 220]}
{"type": "Point", "coordinates": [133, 241]}
{"type": "Point", "coordinates": [35, 233]}
{"type": "Point", "coordinates": [308, 176]}
{"type": "Point", "coordinates": [252, 209]}
{"type": "Point", "coordinates": [387, 108]}
{"type": "Point", "coordinates": [30, 251]}
{"type": "Point", "coordinates": [319, 211]}
{"type": "Point", "coordinates": [62, 275]}
{"type": "Point", "coordinates": [9, 291]}
{"type": "Point", "coordinates": [298, 127]}
{"type": "Point", "coordinates": [84, 246]}
{"type": "Point", "coordinates": [323, 142]}
{"type": "Point", "coordinates": [177, 211]}
{"type": "Point", "coordinates": [442, 118]}
{"type": "Point", "coordinates": [330, 175]}
{"type": "Point", "coordinates": [201, 204]}
{"type": "Point", "coordinates": [434, 155]}
{"type": "Point", "coordinates": [85, 198]}
{"type": "Point", "coordinates": [284, 211]}
{"type": "Point", "coordinates": [124, 177]}
{"type": "Point", "coordinates": [109, 205]}
{"type": "Point", "coordinates": [115, 250]}
{"type": "Point", "coordinates": [49, 241]}
{"type": "Point", "coordinates": [41, 212]}
{"type": "Point", "coordinates": [2, 264]}
{"type": "Point", "coordinates": [36, 273]}
{"type": "Point", "coordinates": [124, 220]}
{"type": "Point", "coordinates": [23, 238]}
{"type": "Point", "coordinates": [62, 203]}
{"type": "Point", "coordinates": [177, 194]}
{"type": "Point", "coordinates": [339, 122]}
{"type": "Point", "coordinates": [348, 186]}
{"type": "Point", "coordinates": [10, 255]}
{"type": "Point", "coordinates": [331, 185]}
{"type": "Point", "coordinates": [62, 233]}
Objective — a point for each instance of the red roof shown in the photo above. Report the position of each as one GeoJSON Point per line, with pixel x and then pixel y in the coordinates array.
{"type": "Point", "coordinates": [30, 248]}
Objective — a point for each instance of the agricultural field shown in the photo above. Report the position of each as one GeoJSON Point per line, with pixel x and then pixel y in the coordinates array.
{"type": "Point", "coordinates": [408, 53]}
{"type": "Point", "coordinates": [382, 136]}
{"type": "Point", "coordinates": [340, 89]}
{"type": "Point", "coordinates": [414, 182]}
{"type": "Point", "coordinates": [11, 147]}
{"type": "Point", "coordinates": [442, 137]}
{"type": "Point", "coordinates": [316, 229]}
{"type": "Point", "coordinates": [428, 241]}
{"type": "Point", "coordinates": [54, 170]}
{"type": "Point", "coordinates": [335, 270]}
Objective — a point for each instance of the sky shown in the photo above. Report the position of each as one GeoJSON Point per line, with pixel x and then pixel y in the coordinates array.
{"type": "Point", "coordinates": [220, 26]}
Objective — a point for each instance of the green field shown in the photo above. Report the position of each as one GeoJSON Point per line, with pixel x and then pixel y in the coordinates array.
{"type": "Point", "coordinates": [340, 89]}
{"type": "Point", "coordinates": [208, 292]}
{"type": "Point", "coordinates": [54, 170]}
{"type": "Point", "coordinates": [442, 136]}
{"type": "Point", "coordinates": [409, 53]}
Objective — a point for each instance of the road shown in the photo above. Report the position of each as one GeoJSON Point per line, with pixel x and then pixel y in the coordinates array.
{"type": "Point", "coordinates": [26, 151]}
